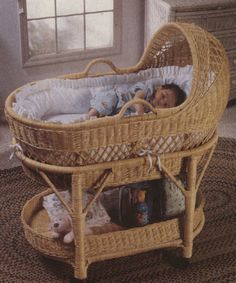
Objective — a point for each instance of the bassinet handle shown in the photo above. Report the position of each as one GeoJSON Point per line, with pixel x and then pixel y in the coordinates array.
{"type": "Point", "coordinates": [135, 101]}
{"type": "Point", "coordinates": [103, 61]}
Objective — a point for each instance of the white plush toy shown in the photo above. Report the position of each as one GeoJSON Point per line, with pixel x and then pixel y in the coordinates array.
{"type": "Point", "coordinates": [62, 227]}
{"type": "Point", "coordinates": [61, 222]}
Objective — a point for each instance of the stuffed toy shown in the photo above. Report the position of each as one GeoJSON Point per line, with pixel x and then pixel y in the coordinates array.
{"type": "Point", "coordinates": [62, 227]}
{"type": "Point", "coordinates": [61, 222]}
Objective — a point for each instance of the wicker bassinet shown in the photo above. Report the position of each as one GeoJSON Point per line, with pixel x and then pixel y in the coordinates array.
{"type": "Point", "coordinates": [106, 152]}
{"type": "Point", "coordinates": [191, 124]}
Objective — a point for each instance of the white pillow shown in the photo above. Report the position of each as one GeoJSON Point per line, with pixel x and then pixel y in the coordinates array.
{"type": "Point", "coordinates": [54, 101]}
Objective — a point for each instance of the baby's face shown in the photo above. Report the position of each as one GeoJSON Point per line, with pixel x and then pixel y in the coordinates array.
{"type": "Point", "coordinates": [164, 98]}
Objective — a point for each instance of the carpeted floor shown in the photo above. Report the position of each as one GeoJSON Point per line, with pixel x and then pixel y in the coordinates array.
{"type": "Point", "coordinates": [214, 257]}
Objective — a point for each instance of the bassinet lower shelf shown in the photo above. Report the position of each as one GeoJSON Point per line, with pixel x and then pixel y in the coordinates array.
{"type": "Point", "coordinates": [113, 241]}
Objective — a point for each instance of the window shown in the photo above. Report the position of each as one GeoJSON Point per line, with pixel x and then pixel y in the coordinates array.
{"type": "Point", "coordinates": [63, 30]}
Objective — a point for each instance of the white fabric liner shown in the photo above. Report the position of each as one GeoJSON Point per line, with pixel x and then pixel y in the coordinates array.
{"type": "Point", "coordinates": [67, 100]}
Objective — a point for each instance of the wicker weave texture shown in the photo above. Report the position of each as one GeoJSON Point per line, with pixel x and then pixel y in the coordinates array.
{"type": "Point", "coordinates": [114, 138]}
{"type": "Point", "coordinates": [109, 243]}
{"type": "Point", "coordinates": [181, 139]}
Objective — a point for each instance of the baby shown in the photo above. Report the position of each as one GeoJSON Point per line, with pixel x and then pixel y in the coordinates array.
{"type": "Point", "coordinates": [110, 102]}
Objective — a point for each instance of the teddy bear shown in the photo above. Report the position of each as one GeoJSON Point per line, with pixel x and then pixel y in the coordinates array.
{"type": "Point", "coordinates": [61, 222]}
{"type": "Point", "coordinates": [61, 226]}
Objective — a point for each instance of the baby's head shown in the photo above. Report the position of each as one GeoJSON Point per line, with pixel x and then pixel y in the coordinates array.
{"type": "Point", "coordinates": [167, 96]}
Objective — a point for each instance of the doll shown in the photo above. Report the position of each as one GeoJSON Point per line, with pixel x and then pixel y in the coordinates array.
{"type": "Point", "coordinates": [141, 209]}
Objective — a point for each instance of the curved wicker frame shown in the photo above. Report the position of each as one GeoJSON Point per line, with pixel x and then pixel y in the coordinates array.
{"type": "Point", "coordinates": [114, 138]}
{"type": "Point", "coordinates": [192, 124]}
{"type": "Point", "coordinates": [177, 232]}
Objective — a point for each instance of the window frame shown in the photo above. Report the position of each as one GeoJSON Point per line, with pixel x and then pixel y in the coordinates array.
{"type": "Point", "coordinates": [67, 56]}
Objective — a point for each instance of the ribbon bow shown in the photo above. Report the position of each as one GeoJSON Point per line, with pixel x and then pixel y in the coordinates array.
{"type": "Point", "coordinates": [15, 147]}
{"type": "Point", "coordinates": [148, 152]}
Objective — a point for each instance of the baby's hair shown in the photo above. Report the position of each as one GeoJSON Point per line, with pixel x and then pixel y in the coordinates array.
{"type": "Point", "coordinates": [180, 94]}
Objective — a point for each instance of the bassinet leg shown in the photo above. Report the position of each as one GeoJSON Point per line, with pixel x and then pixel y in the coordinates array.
{"type": "Point", "coordinates": [80, 267]}
{"type": "Point", "coordinates": [174, 258]}
{"type": "Point", "coordinates": [190, 200]}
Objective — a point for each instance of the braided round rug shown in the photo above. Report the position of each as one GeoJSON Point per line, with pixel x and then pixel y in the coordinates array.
{"type": "Point", "coordinates": [214, 254]}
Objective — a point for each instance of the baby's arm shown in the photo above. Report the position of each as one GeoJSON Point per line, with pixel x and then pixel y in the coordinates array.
{"type": "Point", "coordinates": [139, 107]}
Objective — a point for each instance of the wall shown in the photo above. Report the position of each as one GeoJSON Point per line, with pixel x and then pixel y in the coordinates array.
{"type": "Point", "coordinates": [12, 75]}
